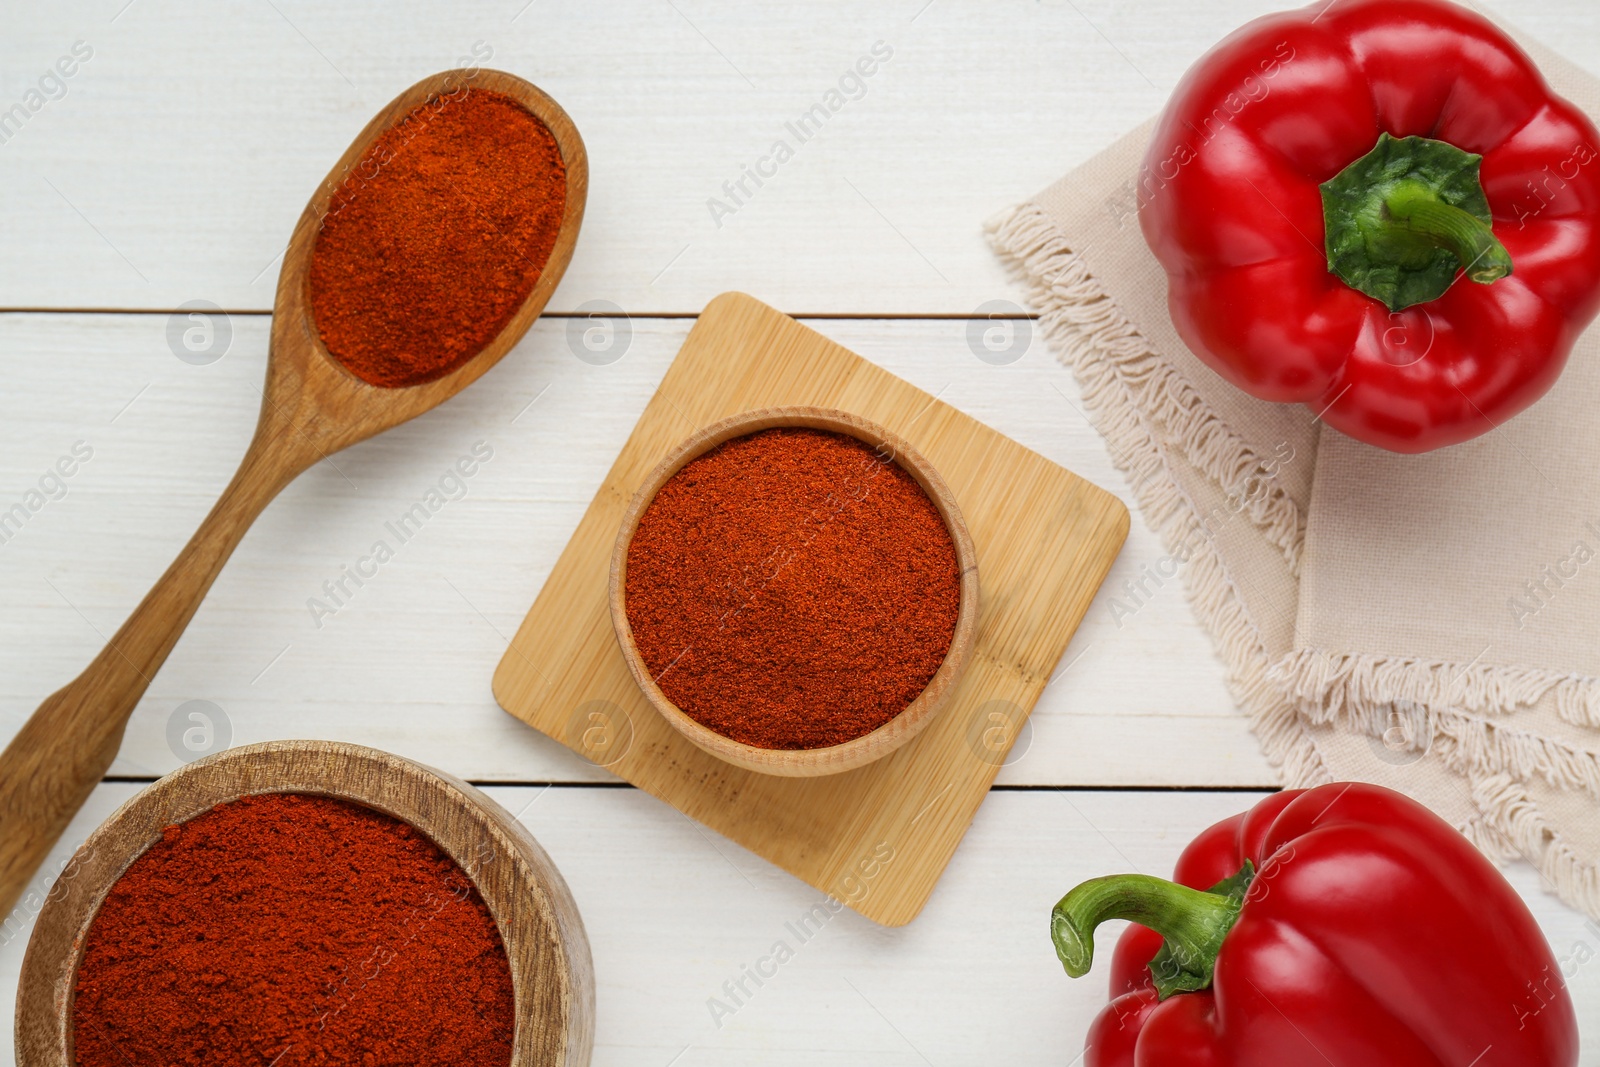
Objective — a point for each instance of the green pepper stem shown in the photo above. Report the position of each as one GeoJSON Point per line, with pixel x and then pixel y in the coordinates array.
{"type": "Point", "coordinates": [1418, 222]}
{"type": "Point", "coordinates": [1193, 923]}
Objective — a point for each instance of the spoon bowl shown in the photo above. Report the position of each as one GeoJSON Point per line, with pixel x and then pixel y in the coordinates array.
{"type": "Point", "coordinates": [308, 389]}
{"type": "Point", "coordinates": [311, 407]}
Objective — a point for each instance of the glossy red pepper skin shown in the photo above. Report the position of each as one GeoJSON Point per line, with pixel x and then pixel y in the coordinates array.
{"type": "Point", "coordinates": [1374, 935]}
{"type": "Point", "coordinates": [1230, 205]}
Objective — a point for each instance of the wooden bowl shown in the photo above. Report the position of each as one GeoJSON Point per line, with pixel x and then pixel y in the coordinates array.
{"type": "Point", "coordinates": [551, 972]}
{"type": "Point", "coordinates": [806, 762]}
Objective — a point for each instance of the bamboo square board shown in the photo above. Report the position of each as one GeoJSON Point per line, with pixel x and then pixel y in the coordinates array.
{"type": "Point", "coordinates": [876, 838]}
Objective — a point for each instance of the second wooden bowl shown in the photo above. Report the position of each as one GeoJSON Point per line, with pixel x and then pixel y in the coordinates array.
{"type": "Point", "coordinates": [552, 975]}
{"type": "Point", "coordinates": [807, 762]}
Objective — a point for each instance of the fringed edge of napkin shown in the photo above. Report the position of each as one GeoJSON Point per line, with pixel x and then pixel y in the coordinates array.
{"type": "Point", "coordinates": [1028, 237]}
{"type": "Point", "coordinates": [1112, 360]}
{"type": "Point", "coordinates": [1495, 760]}
{"type": "Point", "coordinates": [1336, 682]}
{"type": "Point", "coordinates": [1471, 743]}
{"type": "Point", "coordinates": [1464, 712]}
{"type": "Point", "coordinates": [1517, 830]}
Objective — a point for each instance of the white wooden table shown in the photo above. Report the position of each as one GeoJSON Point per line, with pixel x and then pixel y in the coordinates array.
{"type": "Point", "coordinates": [170, 168]}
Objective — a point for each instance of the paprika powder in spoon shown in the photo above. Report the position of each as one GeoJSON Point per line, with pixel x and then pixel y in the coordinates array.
{"type": "Point", "coordinates": [436, 237]}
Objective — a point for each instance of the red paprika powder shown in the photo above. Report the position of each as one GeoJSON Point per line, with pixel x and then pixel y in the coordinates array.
{"type": "Point", "coordinates": [792, 588]}
{"type": "Point", "coordinates": [291, 930]}
{"type": "Point", "coordinates": [436, 236]}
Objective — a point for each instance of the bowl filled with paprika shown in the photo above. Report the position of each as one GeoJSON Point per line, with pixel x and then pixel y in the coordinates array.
{"type": "Point", "coordinates": [300, 902]}
{"type": "Point", "coordinates": [794, 589]}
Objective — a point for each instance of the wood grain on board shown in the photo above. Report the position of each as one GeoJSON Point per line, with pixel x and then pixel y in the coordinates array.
{"type": "Point", "coordinates": [1045, 539]}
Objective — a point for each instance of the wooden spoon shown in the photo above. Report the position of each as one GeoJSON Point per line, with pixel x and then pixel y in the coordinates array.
{"type": "Point", "coordinates": [311, 407]}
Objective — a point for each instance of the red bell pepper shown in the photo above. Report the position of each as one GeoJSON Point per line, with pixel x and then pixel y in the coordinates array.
{"type": "Point", "coordinates": [1342, 926]}
{"type": "Point", "coordinates": [1379, 209]}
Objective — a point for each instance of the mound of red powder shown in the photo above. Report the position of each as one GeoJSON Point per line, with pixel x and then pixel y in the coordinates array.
{"type": "Point", "coordinates": [793, 588]}
{"type": "Point", "coordinates": [293, 930]}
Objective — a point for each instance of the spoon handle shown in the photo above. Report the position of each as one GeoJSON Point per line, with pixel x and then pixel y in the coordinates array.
{"type": "Point", "coordinates": [65, 747]}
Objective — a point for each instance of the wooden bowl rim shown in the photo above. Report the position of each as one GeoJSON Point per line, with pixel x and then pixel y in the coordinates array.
{"type": "Point", "coordinates": [858, 752]}
{"type": "Point", "coordinates": [530, 902]}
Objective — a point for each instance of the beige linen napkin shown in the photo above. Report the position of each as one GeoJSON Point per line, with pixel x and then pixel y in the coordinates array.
{"type": "Point", "coordinates": [1430, 623]}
